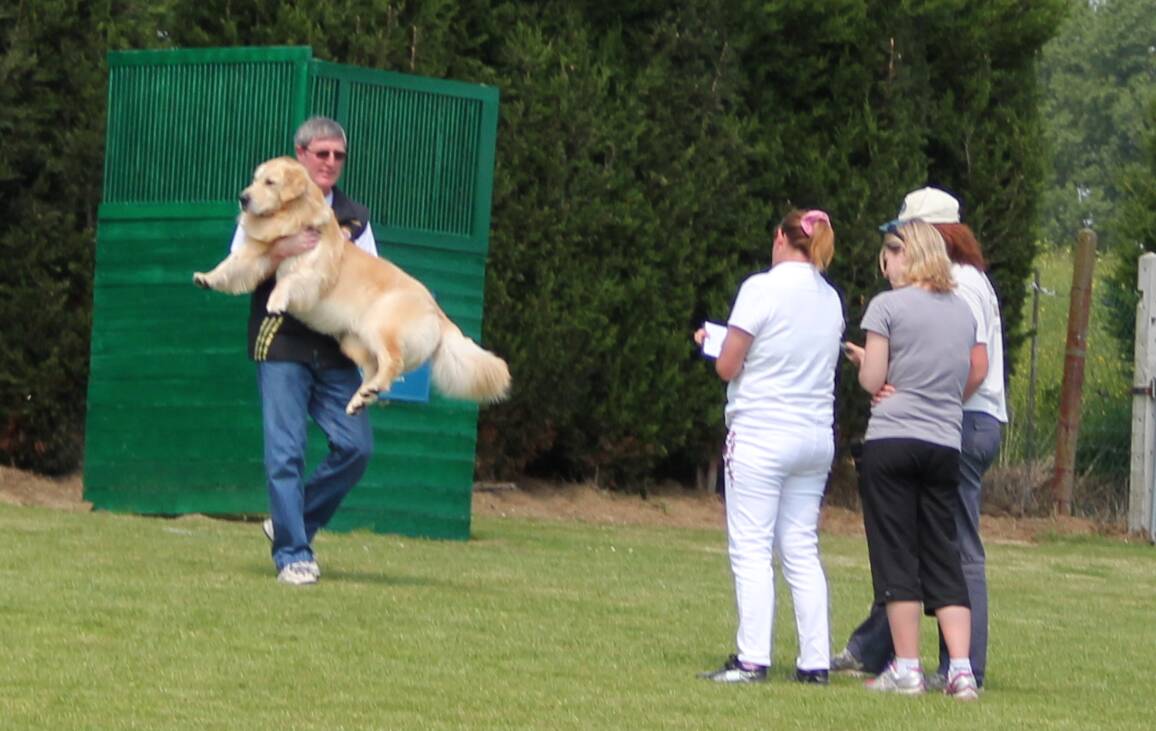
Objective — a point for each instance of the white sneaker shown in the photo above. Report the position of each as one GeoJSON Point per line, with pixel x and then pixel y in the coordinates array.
{"type": "Point", "coordinates": [962, 687]}
{"type": "Point", "coordinates": [309, 566]}
{"type": "Point", "coordinates": [300, 573]}
{"type": "Point", "coordinates": [892, 681]}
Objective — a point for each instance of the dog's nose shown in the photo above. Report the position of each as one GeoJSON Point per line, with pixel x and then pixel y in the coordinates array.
{"type": "Point", "coordinates": [244, 198]}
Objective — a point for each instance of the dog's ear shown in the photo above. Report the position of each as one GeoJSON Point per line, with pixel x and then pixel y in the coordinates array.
{"type": "Point", "coordinates": [294, 183]}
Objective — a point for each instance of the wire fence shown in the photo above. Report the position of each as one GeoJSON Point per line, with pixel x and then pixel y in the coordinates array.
{"type": "Point", "coordinates": [1021, 481]}
{"type": "Point", "coordinates": [1024, 473]}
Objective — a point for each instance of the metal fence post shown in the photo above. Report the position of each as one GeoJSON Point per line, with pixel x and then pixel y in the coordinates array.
{"type": "Point", "coordinates": [1142, 483]}
{"type": "Point", "coordinates": [1031, 425]}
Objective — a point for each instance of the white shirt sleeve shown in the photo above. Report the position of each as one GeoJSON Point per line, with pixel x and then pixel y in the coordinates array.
{"type": "Point", "coordinates": [238, 239]}
{"type": "Point", "coordinates": [366, 242]}
{"type": "Point", "coordinates": [750, 310]}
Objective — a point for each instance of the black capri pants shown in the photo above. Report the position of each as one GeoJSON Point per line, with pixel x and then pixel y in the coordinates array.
{"type": "Point", "coordinates": [909, 490]}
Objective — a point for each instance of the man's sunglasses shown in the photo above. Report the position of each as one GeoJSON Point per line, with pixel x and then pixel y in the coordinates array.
{"type": "Point", "coordinates": [337, 155]}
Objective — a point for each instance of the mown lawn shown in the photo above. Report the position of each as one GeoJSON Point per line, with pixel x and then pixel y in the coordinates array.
{"type": "Point", "coordinates": [118, 622]}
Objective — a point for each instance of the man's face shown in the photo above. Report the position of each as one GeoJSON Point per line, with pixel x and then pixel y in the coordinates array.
{"type": "Point", "coordinates": [324, 158]}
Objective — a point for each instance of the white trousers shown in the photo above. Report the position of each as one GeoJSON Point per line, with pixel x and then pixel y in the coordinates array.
{"type": "Point", "coordinates": [774, 485]}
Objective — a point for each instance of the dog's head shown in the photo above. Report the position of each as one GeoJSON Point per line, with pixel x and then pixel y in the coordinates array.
{"type": "Point", "coordinates": [277, 183]}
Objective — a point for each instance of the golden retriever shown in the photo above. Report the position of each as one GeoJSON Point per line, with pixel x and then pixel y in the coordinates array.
{"type": "Point", "coordinates": [385, 320]}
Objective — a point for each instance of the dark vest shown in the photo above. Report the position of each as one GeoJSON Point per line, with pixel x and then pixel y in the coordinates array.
{"type": "Point", "coordinates": [284, 337]}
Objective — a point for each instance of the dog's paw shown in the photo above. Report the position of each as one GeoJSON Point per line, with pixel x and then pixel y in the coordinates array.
{"type": "Point", "coordinates": [277, 304]}
{"type": "Point", "coordinates": [363, 398]}
{"type": "Point", "coordinates": [201, 280]}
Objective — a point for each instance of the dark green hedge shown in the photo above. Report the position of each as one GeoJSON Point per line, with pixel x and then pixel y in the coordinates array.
{"type": "Point", "coordinates": [52, 96]}
{"type": "Point", "coordinates": [645, 149]}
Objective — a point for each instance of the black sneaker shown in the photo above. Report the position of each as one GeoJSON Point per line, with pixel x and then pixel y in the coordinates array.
{"type": "Point", "coordinates": [812, 677]}
{"type": "Point", "coordinates": [733, 672]}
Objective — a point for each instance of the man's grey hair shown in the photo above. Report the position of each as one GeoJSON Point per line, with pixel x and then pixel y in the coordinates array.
{"type": "Point", "coordinates": [319, 128]}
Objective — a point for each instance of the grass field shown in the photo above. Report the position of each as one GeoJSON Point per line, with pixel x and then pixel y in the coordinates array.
{"type": "Point", "coordinates": [118, 622]}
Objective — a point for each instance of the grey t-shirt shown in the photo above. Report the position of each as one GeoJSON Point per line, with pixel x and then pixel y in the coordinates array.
{"type": "Point", "coordinates": [930, 336]}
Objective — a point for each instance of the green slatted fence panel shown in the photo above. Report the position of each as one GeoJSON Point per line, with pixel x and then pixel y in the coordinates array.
{"type": "Point", "coordinates": [190, 126]}
{"type": "Point", "coordinates": [422, 154]}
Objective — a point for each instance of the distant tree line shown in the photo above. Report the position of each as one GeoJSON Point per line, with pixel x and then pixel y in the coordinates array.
{"type": "Point", "coordinates": [646, 149]}
{"type": "Point", "coordinates": [1098, 83]}
{"type": "Point", "coordinates": [1137, 234]}
{"type": "Point", "coordinates": [1099, 103]}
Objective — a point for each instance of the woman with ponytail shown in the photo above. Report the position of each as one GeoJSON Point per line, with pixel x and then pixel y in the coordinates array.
{"type": "Point", "coordinates": [779, 359]}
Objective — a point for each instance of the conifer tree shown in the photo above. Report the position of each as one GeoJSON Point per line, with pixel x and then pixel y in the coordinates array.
{"type": "Point", "coordinates": [52, 85]}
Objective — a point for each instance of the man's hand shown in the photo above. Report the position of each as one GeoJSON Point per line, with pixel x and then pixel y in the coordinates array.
{"type": "Point", "coordinates": [296, 244]}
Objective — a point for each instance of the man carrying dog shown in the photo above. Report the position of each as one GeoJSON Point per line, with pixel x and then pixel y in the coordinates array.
{"type": "Point", "coordinates": [303, 374]}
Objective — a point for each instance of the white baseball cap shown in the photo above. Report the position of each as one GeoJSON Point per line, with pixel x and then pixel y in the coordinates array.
{"type": "Point", "coordinates": [931, 205]}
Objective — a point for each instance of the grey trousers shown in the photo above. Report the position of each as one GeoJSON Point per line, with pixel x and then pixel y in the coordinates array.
{"type": "Point", "coordinates": [871, 643]}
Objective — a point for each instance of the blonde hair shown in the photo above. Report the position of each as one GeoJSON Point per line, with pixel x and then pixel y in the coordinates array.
{"type": "Point", "coordinates": [925, 254]}
{"type": "Point", "coordinates": [819, 246]}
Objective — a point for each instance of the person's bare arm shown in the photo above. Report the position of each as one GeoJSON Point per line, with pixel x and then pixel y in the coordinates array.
{"type": "Point", "coordinates": [977, 371]}
{"type": "Point", "coordinates": [873, 368]}
{"type": "Point", "coordinates": [734, 352]}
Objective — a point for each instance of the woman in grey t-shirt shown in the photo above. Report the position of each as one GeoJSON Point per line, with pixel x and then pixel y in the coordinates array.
{"type": "Point", "coordinates": [921, 340]}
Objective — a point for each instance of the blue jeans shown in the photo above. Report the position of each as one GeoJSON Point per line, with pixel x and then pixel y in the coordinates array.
{"type": "Point", "coordinates": [870, 643]}
{"type": "Point", "coordinates": [291, 392]}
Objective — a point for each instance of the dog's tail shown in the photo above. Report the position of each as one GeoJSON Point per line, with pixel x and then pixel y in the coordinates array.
{"type": "Point", "coordinates": [463, 369]}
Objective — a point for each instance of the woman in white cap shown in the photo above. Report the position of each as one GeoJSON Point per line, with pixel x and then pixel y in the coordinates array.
{"type": "Point", "coordinates": [921, 339]}
{"type": "Point", "coordinates": [869, 648]}
{"type": "Point", "coordinates": [779, 358]}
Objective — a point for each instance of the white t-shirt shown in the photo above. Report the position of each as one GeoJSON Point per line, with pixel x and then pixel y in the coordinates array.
{"type": "Point", "coordinates": [975, 289]}
{"type": "Point", "coordinates": [366, 242]}
{"type": "Point", "coordinates": [788, 376]}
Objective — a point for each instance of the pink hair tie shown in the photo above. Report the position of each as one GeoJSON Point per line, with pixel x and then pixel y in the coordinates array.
{"type": "Point", "coordinates": [807, 223]}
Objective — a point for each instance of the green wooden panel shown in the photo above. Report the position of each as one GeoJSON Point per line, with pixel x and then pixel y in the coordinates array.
{"type": "Point", "coordinates": [173, 415]}
{"type": "Point", "coordinates": [154, 435]}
